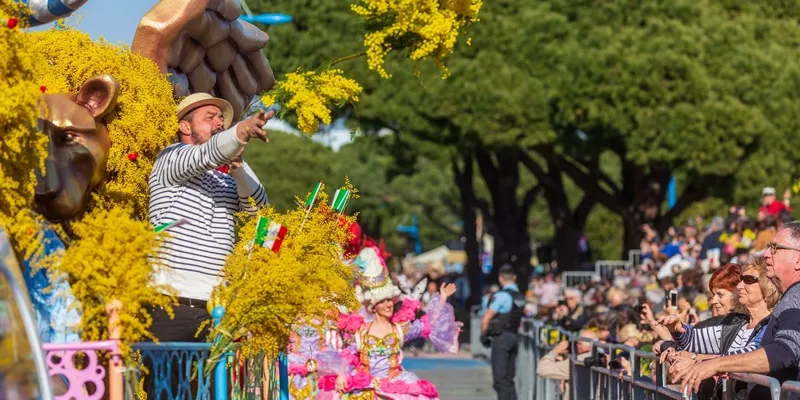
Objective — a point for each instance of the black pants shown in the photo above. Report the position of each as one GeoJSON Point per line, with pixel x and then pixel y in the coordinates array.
{"type": "Point", "coordinates": [504, 365]}
{"type": "Point", "coordinates": [181, 329]}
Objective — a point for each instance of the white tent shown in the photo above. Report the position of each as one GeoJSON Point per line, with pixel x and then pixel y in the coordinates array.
{"type": "Point", "coordinates": [437, 254]}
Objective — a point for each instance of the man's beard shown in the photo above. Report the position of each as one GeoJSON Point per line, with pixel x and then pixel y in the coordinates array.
{"type": "Point", "coordinates": [196, 137]}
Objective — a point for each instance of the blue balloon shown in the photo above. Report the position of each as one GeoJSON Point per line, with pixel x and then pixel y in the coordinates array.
{"type": "Point", "coordinates": [267, 19]}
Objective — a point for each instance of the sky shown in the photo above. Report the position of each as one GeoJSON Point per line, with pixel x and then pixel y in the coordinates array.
{"type": "Point", "coordinates": [116, 21]}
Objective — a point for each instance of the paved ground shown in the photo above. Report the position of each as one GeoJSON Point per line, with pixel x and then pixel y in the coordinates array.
{"type": "Point", "coordinates": [455, 378]}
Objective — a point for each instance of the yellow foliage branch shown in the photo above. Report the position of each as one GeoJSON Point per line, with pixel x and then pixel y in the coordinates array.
{"type": "Point", "coordinates": [114, 257]}
{"type": "Point", "coordinates": [266, 292]}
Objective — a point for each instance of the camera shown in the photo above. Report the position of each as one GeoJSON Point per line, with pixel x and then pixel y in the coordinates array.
{"type": "Point", "coordinates": [615, 363]}
{"type": "Point", "coordinates": [598, 359]}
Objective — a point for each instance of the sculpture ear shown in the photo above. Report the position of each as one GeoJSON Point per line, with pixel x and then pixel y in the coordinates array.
{"type": "Point", "coordinates": [99, 95]}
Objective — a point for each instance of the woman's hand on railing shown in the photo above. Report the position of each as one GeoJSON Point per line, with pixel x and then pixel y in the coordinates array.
{"type": "Point", "coordinates": [691, 377]}
{"type": "Point", "coordinates": [657, 347]}
{"type": "Point", "coordinates": [666, 355]}
{"type": "Point", "coordinates": [672, 322]}
{"type": "Point", "coordinates": [680, 361]}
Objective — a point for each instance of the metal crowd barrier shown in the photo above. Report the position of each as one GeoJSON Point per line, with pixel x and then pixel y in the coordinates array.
{"type": "Point", "coordinates": [647, 380]}
{"type": "Point", "coordinates": [575, 278]}
{"type": "Point", "coordinates": [478, 349]}
{"type": "Point", "coordinates": [605, 269]}
{"type": "Point", "coordinates": [789, 388]}
{"type": "Point", "coordinates": [774, 386]}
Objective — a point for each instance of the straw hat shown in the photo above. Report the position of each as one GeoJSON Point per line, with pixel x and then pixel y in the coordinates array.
{"type": "Point", "coordinates": [196, 100]}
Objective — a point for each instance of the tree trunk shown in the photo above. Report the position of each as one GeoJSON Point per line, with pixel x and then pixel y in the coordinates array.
{"type": "Point", "coordinates": [508, 217]}
{"type": "Point", "coordinates": [464, 180]}
{"type": "Point", "coordinates": [632, 233]}
{"type": "Point", "coordinates": [568, 254]}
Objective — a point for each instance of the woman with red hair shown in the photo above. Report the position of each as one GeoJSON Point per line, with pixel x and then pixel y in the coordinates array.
{"type": "Point", "coordinates": [723, 288]}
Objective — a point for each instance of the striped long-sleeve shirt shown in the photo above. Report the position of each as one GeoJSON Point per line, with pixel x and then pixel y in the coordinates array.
{"type": "Point", "coordinates": [708, 340]}
{"type": "Point", "coordinates": [185, 184]}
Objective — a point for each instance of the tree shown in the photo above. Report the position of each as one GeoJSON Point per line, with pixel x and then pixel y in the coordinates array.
{"type": "Point", "coordinates": [697, 90]}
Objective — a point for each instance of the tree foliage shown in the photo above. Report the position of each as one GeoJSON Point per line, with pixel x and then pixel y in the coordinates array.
{"type": "Point", "coordinates": [614, 98]}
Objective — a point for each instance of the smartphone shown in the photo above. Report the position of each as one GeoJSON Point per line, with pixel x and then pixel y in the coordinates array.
{"type": "Point", "coordinates": [561, 301]}
{"type": "Point", "coordinates": [673, 298]}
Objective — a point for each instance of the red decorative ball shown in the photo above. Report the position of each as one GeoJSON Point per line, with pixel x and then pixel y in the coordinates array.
{"type": "Point", "coordinates": [43, 88]}
{"type": "Point", "coordinates": [133, 156]}
{"type": "Point", "coordinates": [12, 23]}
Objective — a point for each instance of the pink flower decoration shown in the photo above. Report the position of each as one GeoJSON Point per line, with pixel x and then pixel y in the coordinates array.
{"type": "Point", "coordinates": [350, 357]}
{"type": "Point", "coordinates": [427, 388]}
{"type": "Point", "coordinates": [298, 369]}
{"type": "Point", "coordinates": [327, 382]}
{"type": "Point", "coordinates": [361, 380]}
{"type": "Point", "coordinates": [407, 312]}
{"type": "Point", "coordinates": [350, 322]}
{"type": "Point", "coordinates": [395, 387]}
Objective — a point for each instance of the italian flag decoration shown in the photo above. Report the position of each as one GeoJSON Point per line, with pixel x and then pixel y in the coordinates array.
{"type": "Point", "coordinates": [340, 199]}
{"type": "Point", "coordinates": [269, 234]}
{"type": "Point", "coordinates": [312, 197]}
{"type": "Point", "coordinates": [170, 224]}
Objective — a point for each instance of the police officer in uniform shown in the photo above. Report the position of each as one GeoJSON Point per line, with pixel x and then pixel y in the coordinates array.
{"type": "Point", "coordinates": [500, 326]}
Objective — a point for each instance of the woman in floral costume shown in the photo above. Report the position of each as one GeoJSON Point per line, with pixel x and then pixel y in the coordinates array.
{"type": "Point", "coordinates": [371, 367]}
{"type": "Point", "coordinates": [311, 338]}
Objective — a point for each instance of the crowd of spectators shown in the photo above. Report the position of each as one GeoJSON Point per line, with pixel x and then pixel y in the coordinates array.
{"type": "Point", "coordinates": [708, 299]}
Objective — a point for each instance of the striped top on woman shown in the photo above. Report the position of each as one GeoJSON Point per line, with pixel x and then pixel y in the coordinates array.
{"type": "Point", "coordinates": [708, 340]}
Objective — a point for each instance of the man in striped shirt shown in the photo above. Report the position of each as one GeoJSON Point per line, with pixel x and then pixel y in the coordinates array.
{"type": "Point", "coordinates": [201, 181]}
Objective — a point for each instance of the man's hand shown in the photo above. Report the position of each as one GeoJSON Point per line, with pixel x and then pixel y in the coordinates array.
{"type": "Point", "coordinates": [562, 347]}
{"type": "Point", "coordinates": [691, 377]}
{"type": "Point", "coordinates": [253, 127]}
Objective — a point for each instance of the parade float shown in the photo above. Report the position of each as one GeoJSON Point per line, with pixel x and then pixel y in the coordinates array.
{"type": "Point", "coordinates": [82, 122]}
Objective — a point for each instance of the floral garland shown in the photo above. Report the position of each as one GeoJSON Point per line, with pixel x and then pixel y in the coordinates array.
{"type": "Point", "coordinates": [143, 122]}
{"type": "Point", "coordinates": [22, 150]}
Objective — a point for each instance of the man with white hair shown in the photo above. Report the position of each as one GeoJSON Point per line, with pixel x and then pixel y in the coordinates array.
{"type": "Point", "coordinates": [769, 205]}
{"type": "Point", "coordinates": [570, 313]}
{"type": "Point", "coordinates": [779, 355]}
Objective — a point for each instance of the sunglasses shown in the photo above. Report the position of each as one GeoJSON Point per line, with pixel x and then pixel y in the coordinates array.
{"type": "Point", "coordinates": [749, 279]}
{"type": "Point", "coordinates": [774, 247]}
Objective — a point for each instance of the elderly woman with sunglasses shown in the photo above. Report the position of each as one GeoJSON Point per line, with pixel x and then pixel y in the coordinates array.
{"type": "Point", "coordinates": [737, 333]}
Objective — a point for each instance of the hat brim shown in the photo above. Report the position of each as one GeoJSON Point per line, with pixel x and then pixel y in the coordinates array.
{"type": "Point", "coordinates": [222, 104]}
